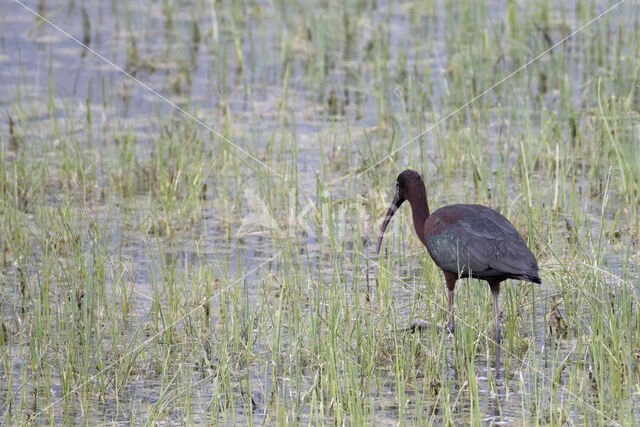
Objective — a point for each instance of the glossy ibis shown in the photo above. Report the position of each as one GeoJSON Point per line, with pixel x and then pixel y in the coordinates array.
{"type": "Point", "coordinates": [465, 240]}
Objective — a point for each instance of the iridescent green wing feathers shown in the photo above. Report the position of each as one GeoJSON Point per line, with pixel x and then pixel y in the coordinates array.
{"type": "Point", "coordinates": [478, 241]}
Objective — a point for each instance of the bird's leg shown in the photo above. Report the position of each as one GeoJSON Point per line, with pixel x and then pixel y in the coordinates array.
{"type": "Point", "coordinates": [451, 278]}
{"type": "Point", "coordinates": [497, 336]}
{"type": "Point", "coordinates": [452, 323]}
{"type": "Point", "coordinates": [420, 324]}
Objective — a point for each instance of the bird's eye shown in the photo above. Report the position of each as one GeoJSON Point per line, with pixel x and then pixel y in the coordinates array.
{"type": "Point", "coordinates": [397, 186]}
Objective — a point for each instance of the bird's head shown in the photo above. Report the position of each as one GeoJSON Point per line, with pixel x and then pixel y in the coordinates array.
{"type": "Point", "coordinates": [408, 183]}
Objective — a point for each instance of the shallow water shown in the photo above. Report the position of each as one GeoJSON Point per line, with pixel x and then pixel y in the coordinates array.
{"type": "Point", "coordinates": [293, 100]}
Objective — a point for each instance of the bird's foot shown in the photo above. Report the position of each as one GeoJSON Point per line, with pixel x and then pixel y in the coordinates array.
{"type": "Point", "coordinates": [451, 327]}
{"type": "Point", "coordinates": [420, 325]}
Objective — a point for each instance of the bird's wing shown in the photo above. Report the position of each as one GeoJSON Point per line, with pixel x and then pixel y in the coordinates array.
{"type": "Point", "coordinates": [480, 242]}
{"type": "Point", "coordinates": [514, 257]}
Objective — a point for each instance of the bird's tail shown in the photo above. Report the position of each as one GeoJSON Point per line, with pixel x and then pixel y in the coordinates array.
{"type": "Point", "coordinates": [530, 278]}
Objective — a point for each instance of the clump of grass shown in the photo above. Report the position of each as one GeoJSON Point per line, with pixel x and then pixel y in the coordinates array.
{"type": "Point", "coordinates": [174, 173]}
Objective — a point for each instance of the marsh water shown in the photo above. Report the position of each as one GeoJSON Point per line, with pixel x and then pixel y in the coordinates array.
{"type": "Point", "coordinates": [290, 111]}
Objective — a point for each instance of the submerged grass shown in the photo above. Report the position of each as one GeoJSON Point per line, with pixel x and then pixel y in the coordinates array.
{"type": "Point", "coordinates": [152, 272]}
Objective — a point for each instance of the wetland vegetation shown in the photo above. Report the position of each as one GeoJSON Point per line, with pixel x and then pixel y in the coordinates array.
{"type": "Point", "coordinates": [191, 191]}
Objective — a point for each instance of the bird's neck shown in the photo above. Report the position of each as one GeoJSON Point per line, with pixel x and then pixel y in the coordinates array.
{"type": "Point", "coordinates": [420, 212]}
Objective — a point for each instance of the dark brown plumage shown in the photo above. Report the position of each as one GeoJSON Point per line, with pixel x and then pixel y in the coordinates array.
{"type": "Point", "coordinates": [465, 240]}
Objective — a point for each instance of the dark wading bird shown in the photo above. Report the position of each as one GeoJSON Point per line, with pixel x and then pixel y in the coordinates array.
{"type": "Point", "coordinates": [465, 240]}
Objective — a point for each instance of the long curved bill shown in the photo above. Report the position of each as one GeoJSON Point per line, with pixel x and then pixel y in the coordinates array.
{"type": "Point", "coordinates": [395, 204]}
